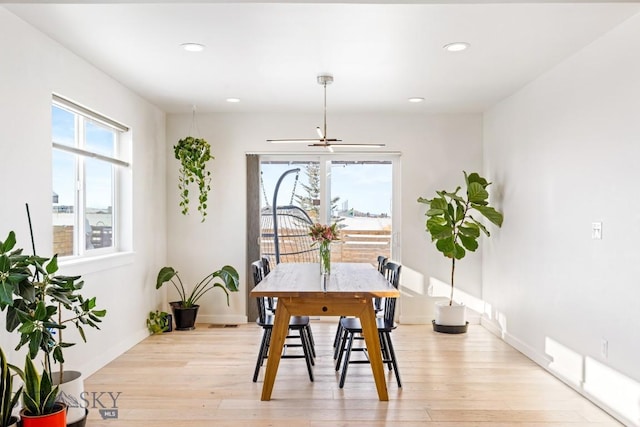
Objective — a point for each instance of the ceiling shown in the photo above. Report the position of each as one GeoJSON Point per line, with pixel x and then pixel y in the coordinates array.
{"type": "Point", "coordinates": [268, 54]}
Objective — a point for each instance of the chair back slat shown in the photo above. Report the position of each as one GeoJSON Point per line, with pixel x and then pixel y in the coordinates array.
{"type": "Point", "coordinates": [392, 274]}
{"type": "Point", "coordinates": [266, 269]}
{"type": "Point", "coordinates": [257, 268]}
{"type": "Point", "coordinates": [382, 260]}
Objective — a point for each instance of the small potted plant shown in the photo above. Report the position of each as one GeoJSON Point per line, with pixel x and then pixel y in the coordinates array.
{"type": "Point", "coordinates": [159, 322]}
{"type": "Point", "coordinates": [185, 310]}
{"type": "Point", "coordinates": [8, 399]}
{"type": "Point", "coordinates": [455, 231]}
{"type": "Point", "coordinates": [193, 154]}
{"type": "Point", "coordinates": [40, 407]}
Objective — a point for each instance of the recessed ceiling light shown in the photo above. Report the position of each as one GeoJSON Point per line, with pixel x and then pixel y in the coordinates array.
{"type": "Point", "coordinates": [456, 46]}
{"type": "Point", "coordinates": [416, 99]}
{"type": "Point", "coordinates": [233, 99]}
{"type": "Point", "coordinates": [192, 47]}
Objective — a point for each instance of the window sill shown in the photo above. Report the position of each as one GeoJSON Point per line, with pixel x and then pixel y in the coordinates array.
{"type": "Point", "coordinates": [87, 265]}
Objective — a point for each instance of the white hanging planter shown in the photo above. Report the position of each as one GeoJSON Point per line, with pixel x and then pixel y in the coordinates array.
{"type": "Point", "coordinates": [450, 315]}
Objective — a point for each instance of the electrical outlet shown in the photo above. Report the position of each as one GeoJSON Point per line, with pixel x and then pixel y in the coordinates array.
{"type": "Point", "coordinates": [604, 348]}
{"type": "Point", "coordinates": [596, 230]}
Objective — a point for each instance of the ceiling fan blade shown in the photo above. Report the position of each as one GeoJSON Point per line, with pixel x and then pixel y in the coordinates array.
{"type": "Point", "coordinates": [292, 141]}
{"type": "Point", "coordinates": [348, 145]}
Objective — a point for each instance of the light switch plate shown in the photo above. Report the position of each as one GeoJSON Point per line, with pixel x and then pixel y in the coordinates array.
{"type": "Point", "coordinates": [596, 230]}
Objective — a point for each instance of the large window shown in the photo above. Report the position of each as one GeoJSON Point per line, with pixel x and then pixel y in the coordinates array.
{"type": "Point", "coordinates": [87, 160]}
{"type": "Point", "coordinates": [357, 192]}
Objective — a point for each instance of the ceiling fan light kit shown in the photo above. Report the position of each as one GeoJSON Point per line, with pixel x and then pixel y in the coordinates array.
{"type": "Point", "coordinates": [323, 141]}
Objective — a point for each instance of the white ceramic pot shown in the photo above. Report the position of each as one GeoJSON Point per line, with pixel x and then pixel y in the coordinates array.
{"type": "Point", "coordinates": [450, 315]}
{"type": "Point", "coordinates": [71, 392]}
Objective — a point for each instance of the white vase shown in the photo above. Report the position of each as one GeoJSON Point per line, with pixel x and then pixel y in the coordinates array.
{"type": "Point", "coordinates": [450, 315]}
{"type": "Point", "coordinates": [71, 392]}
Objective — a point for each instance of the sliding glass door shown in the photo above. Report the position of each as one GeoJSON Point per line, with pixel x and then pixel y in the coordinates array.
{"type": "Point", "coordinates": [357, 192]}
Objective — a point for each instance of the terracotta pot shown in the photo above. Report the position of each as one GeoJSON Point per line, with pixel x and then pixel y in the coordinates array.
{"type": "Point", "coordinates": [55, 419]}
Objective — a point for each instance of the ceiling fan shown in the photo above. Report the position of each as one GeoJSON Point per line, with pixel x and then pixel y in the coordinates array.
{"type": "Point", "coordinates": [323, 141]}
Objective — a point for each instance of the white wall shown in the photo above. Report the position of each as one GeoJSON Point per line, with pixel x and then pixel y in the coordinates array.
{"type": "Point", "coordinates": [435, 149]}
{"type": "Point", "coordinates": [566, 150]}
{"type": "Point", "coordinates": [32, 67]}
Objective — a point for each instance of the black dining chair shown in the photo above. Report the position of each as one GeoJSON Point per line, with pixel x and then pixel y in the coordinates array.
{"type": "Point", "coordinates": [272, 302]}
{"type": "Point", "coordinates": [377, 305]}
{"type": "Point", "coordinates": [353, 331]}
{"type": "Point", "coordinates": [298, 328]}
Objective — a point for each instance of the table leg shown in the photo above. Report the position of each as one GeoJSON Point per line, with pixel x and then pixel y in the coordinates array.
{"type": "Point", "coordinates": [370, 332]}
{"type": "Point", "coordinates": [278, 336]}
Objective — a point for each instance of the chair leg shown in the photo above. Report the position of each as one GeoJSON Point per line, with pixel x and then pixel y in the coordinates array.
{"type": "Point", "coordinates": [306, 349]}
{"type": "Point", "coordinates": [392, 353]}
{"type": "Point", "coordinates": [336, 340]}
{"type": "Point", "coordinates": [312, 343]}
{"type": "Point", "coordinates": [386, 357]}
{"type": "Point", "coordinates": [306, 342]}
{"type": "Point", "coordinates": [262, 353]}
{"type": "Point", "coordinates": [347, 356]}
{"type": "Point", "coordinates": [339, 353]}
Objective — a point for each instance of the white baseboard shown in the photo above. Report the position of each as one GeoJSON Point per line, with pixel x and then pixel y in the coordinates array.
{"type": "Point", "coordinates": [103, 358]}
{"type": "Point", "coordinates": [222, 319]}
{"type": "Point", "coordinates": [543, 360]}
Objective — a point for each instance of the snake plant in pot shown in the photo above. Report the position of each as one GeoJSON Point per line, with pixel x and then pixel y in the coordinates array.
{"type": "Point", "coordinates": [185, 310]}
{"type": "Point", "coordinates": [36, 298]}
{"type": "Point", "coordinates": [455, 230]}
{"type": "Point", "coordinates": [40, 405]}
{"type": "Point", "coordinates": [8, 399]}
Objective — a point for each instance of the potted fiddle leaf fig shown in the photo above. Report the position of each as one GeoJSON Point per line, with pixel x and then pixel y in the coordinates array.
{"type": "Point", "coordinates": [36, 298]}
{"type": "Point", "coordinates": [455, 230]}
{"type": "Point", "coordinates": [185, 310]}
{"type": "Point", "coordinates": [193, 153]}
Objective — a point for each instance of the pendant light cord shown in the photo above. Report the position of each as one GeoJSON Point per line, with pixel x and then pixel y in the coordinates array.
{"type": "Point", "coordinates": [194, 124]}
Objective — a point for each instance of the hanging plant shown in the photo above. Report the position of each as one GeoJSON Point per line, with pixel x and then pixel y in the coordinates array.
{"type": "Point", "coordinates": [193, 153]}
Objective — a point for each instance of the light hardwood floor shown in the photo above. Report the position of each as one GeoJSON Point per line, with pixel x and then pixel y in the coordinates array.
{"type": "Point", "coordinates": [203, 378]}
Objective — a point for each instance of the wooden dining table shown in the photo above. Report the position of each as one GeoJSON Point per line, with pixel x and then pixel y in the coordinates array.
{"type": "Point", "coordinates": [348, 290]}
